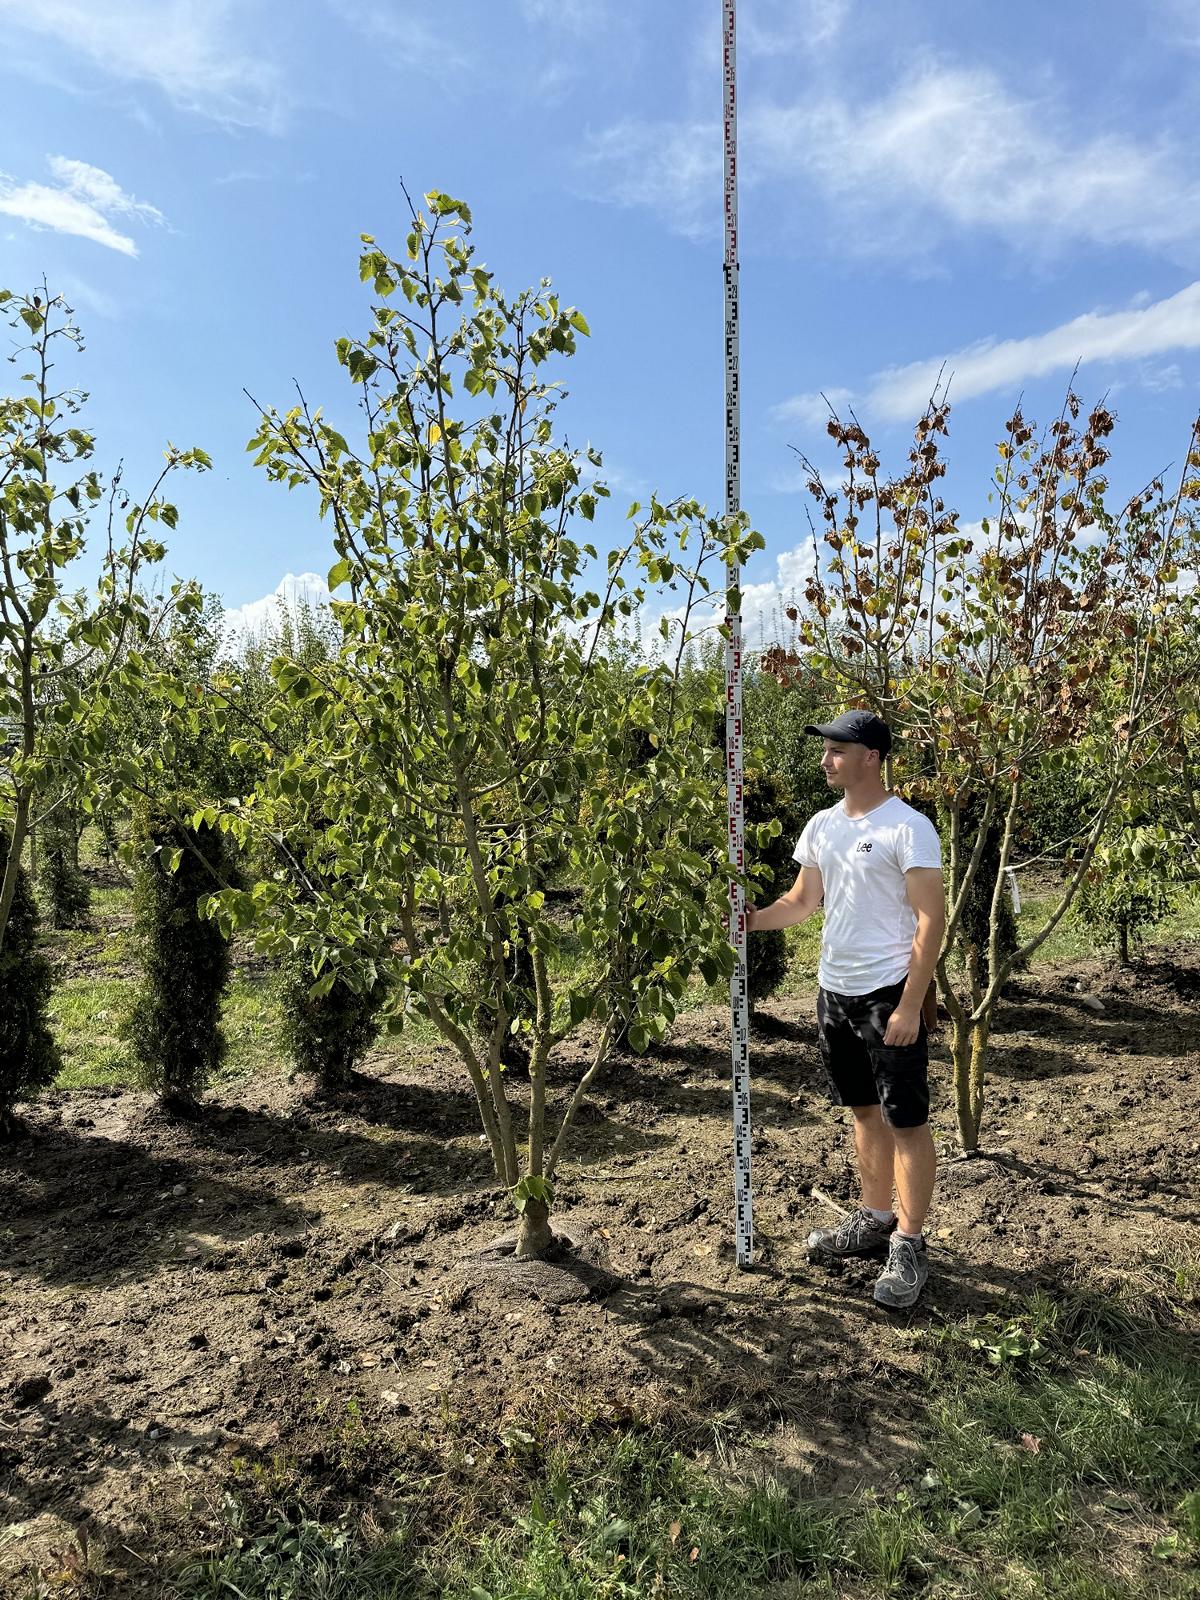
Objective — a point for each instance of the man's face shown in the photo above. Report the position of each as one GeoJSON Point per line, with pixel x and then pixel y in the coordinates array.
{"type": "Point", "coordinates": [845, 763]}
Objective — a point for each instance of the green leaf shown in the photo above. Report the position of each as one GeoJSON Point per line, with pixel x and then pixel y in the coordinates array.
{"type": "Point", "coordinates": [580, 1006]}
{"type": "Point", "coordinates": [339, 573]}
{"type": "Point", "coordinates": [531, 1188]}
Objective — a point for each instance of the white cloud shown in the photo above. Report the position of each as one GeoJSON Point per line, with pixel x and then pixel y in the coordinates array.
{"type": "Point", "coordinates": [191, 50]}
{"type": "Point", "coordinates": [900, 393]}
{"type": "Point", "coordinates": [256, 617]}
{"type": "Point", "coordinates": [620, 481]}
{"type": "Point", "coordinates": [673, 168]}
{"type": "Point", "coordinates": [572, 16]}
{"type": "Point", "coordinates": [407, 35]}
{"type": "Point", "coordinates": [948, 148]}
{"type": "Point", "coordinates": [1179, 20]}
{"type": "Point", "coordinates": [955, 142]}
{"type": "Point", "coordinates": [811, 410]}
{"type": "Point", "coordinates": [81, 295]}
{"type": "Point", "coordinates": [796, 478]}
{"type": "Point", "coordinates": [762, 603]}
{"type": "Point", "coordinates": [83, 201]}
{"type": "Point", "coordinates": [1160, 379]}
{"type": "Point", "coordinates": [762, 606]}
{"type": "Point", "coordinates": [796, 27]}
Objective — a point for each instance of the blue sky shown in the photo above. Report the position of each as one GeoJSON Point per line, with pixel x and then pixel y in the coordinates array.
{"type": "Point", "coordinates": [1007, 192]}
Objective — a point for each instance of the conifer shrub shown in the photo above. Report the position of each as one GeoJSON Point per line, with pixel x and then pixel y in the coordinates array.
{"type": "Point", "coordinates": [974, 931]}
{"type": "Point", "coordinates": [29, 1058]}
{"type": "Point", "coordinates": [327, 1034]}
{"type": "Point", "coordinates": [1128, 891]}
{"type": "Point", "coordinates": [768, 797]}
{"type": "Point", "coordinates": [68, 895]}
{"type": "Point", "coordinates": [175, 1027]}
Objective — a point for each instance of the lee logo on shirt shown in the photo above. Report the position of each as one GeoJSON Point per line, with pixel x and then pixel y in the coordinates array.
{"type": "Point", "coordinates": [864, 848]}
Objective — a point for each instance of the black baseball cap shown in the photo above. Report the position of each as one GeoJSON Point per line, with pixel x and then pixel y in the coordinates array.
{"type": "Point", "coordinates": [856, 727]}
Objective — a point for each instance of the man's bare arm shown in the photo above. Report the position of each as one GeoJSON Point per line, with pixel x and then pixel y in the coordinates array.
{"type": "Point", "coordinates": [927, 897]}
{"type": "Point", "coordinates": [801, 900]}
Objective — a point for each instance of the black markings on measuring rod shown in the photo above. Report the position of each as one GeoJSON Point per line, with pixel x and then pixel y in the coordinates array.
{"type": "Point", "coordinates": [738, 999]}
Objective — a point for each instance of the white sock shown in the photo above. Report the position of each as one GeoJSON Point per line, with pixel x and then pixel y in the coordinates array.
{"type": "Point", "coordinates": [913, 1238]}
{"type": "Point", "coordinates": [880, 1216]}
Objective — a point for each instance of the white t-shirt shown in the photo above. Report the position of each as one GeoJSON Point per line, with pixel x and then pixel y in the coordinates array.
{"type": "Point", "coordinates": [867, 940]}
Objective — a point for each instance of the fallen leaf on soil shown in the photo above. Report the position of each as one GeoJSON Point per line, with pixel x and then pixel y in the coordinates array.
{"type": "Point", "coordinates": [1031, 1442]}
{"type": "Point", "coordinates": [675, 1530]}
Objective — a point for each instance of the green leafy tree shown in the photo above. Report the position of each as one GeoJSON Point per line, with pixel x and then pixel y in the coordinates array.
{"type": "Point", "coordinates": [771, 819]}
{"type": "Point", "coordinates": [175, 1025]}
{"type": "Point", "coordinates": [1045, 641]}
{"type": "Point", "coordinates": [327, 1034]}
{"type": "Point", "coordinates": [473, 738]}
{"type": "Point", "coordinates": [67, 891]}
{"type": "Point", "coordinates": [61, 649]}
{"type": "Point", "coordinates": [29, 1058]}
{"type": "Point", "coordinates": [777, 714]}
{"type": "Point", "coordinates": [327, 1031]}
{"type": "Point", "coordinates": [1128, 888]}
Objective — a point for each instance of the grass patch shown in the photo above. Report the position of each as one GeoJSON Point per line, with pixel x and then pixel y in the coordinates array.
{"type": "Point", "coordinates": [1059, 1462]}
{"type": "Point", "coordinates": [1074, 937]}
{"type": "Point", "coordinates": [251, 1022]}
{"type": "Point", "coordinates": [1184, 921]}
{"type": "Point", "coordinates": [87, 1015]}
{"type": "Point", "coordinates": [87, 1006]}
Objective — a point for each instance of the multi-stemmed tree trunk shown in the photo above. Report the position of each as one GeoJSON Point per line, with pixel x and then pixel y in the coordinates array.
{"type": "Point", "coordinates": [1051, 636]}
{"type": "Point", "coordinates": [474, 739]}
{"type": "Point", "coordinates": [61, 652]}
{"type": "Point", "coordinates": [29, 1058]}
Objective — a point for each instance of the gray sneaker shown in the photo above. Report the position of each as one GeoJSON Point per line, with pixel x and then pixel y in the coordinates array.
{"type": "Point", "coordinates": [902, 1280]}
{"type": "Point", "coordinates": [858, 1235]}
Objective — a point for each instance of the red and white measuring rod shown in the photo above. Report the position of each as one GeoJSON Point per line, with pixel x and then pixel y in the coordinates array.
{"type": "Point", "coordinates": [738, 997]}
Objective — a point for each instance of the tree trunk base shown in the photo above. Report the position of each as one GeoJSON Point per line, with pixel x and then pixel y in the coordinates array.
{"type": "Point", "coordinates": [335, 1088]}
{"type": "Point", "coordinates": [12, 1127]}
{"type": "Point", "coordinates": [534, 1237]}
{"type": "Point", "coordinates": [180, 1108]}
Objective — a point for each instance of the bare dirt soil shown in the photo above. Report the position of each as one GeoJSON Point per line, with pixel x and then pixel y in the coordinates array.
{"type": "Point", "coordinates": [176, 1295]}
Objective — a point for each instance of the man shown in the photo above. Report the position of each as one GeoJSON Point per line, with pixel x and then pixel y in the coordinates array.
{"type": "Point", "coordinates": [876, 863]}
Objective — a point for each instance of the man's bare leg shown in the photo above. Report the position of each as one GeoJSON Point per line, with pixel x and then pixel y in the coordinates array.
{"type": "Point", "coordinates": [915, 1170]}
{"type": "Point", "coordinates": [876, 1157]}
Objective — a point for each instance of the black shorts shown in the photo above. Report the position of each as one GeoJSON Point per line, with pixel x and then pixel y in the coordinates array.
{"type": "Point", "coordinates": [861, 1069]}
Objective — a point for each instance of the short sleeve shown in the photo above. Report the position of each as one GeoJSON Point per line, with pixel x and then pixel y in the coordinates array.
{"type": "Point", "coordinates": [805, 851]}
{"type": "Point", "coordinates": [918, 844]}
